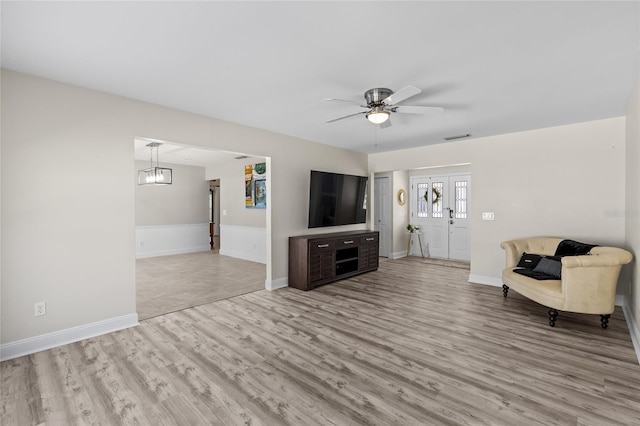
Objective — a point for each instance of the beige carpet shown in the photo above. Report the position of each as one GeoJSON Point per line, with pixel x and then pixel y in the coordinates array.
{"type": "Point", "coordinates": [172, 283]}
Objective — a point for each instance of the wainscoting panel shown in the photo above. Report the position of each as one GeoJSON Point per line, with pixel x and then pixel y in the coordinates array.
{"type": "Point", "coordinates": [244, 242]}
{"type": "Point", "coordinates": [163, 240]}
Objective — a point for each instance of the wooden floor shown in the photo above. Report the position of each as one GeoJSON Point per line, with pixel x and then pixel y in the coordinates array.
{"type": "Point", "coordinates": [171, 283]}
{"type": "Point", "coordinates": [410, 344]}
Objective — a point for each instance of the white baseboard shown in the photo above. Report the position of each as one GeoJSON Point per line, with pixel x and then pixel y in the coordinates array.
{"type": "Point", "coordinates": [276, 284]}
{"type": "Point", "coordinates": [398, 255]}
{"type": "Point", "coordinates": [172, 252]}
{"type": "Point", "coordinates": [485, 279]}
{"type": "Point", "coordinates": [62, 337]}
{"type": "Point", "coordinates": [634, 330]}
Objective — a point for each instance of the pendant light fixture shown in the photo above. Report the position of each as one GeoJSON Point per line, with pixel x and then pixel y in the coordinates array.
{"type": "Point", "coordinates": [154, 175]}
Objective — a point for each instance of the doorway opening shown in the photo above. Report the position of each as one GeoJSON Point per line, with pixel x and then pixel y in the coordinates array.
{"type": "Point", "coordinates": [214, 214]}
{"type": "Point", "coordinates": [177, 226]}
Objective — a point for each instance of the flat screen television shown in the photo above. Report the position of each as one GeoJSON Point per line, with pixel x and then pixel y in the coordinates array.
{"type": "Point", "coordinates": [336, 199]}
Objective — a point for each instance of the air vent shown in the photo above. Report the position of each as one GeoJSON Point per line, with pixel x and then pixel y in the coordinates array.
{"type": "Point", "coordinates": [451, 138]}
{"type": "Point", "coordinates": [241, 157]}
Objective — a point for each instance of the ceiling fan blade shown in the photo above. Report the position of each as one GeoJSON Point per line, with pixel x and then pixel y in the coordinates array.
{"type": "Point", "coordinates": [402, 94]}
{"type": "Point", "coordinates": [346, 116]}
{"type": "Point", "coordinates": [386, 124]}
{"type": "Point", "coordinates": [417, 109]}
{"type": "Point", "coordinates": [346, 100]}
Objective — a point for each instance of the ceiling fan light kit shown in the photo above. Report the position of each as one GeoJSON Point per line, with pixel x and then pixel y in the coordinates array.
{"type": "Point", "coordinates": [381, 102]}
{"type": "Point", "coordinates": [377, 115]}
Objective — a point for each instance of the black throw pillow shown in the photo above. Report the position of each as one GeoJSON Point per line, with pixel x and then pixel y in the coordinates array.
{"type": "Point", "coordinates": [529, 260]}
{"type": "Point", "coordinates": [573, 248]}
{"type": "Point", "coordinates": [535, 275]}
{"type": "Point", "coordinates": [550, 267]}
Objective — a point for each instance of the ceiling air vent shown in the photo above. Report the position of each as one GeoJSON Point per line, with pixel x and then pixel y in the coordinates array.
{"type": "Point", "coordinates": [452, 138]}
{"type": "Point", "coordinates": [241, 157]}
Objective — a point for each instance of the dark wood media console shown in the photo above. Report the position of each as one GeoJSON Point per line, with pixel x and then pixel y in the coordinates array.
{"type": "Point", "coordinates": [323, 258]}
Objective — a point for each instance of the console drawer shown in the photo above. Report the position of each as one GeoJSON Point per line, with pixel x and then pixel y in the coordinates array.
{"type": "Point", "coordinates": [369, 239]}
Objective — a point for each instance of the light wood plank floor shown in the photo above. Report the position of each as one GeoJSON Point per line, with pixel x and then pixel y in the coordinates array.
{"type": "Point", "coordinates": [171, 283]}
{"type": "Point", "coordinates": [410, 344]}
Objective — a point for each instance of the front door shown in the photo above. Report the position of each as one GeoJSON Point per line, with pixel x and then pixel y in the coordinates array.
{"type": "Point", "coordinates": [440, 207]}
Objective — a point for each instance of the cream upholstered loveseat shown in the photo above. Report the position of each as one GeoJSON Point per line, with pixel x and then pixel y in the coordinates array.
{"type": "Point", "coordinates": [587, 283]}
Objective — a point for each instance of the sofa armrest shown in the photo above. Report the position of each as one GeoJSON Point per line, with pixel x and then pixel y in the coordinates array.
{"type": "Point", "coordinates": [600, 256]}
{"type": "Point", "coordinates": [589, 282]}
{"type": "Point", "coordinates": [513, 251]}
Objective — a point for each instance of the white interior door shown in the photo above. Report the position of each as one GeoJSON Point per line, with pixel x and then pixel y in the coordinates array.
{"type": "Point", "coordinates": [440, 206]}
{"type": "Point", "coordinates": [382, 216]}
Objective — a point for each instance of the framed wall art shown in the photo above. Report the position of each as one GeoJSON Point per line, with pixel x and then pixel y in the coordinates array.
{"type": "Point", "coordinates": [255, 187]}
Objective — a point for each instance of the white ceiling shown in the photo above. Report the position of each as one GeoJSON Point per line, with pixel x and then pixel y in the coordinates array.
{"type": "Point", "coordinates": [175, 153]}
{"type": "Point", "coordinates": [496, 67]}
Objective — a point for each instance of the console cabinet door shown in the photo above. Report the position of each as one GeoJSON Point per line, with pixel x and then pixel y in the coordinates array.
{"type": "Point", "coordinates": [322, 261]}
{"type": "Point", "coordinates": [369, 252]}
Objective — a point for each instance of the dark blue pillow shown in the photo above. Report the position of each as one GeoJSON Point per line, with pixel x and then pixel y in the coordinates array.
{"type": "Point", "coordinates": [573, 248]}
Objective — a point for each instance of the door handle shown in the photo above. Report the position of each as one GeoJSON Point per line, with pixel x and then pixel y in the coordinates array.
{"type": "Point", "coordinates": [451, 214]}
{"type": "Point", "coordinates": [450, 221]}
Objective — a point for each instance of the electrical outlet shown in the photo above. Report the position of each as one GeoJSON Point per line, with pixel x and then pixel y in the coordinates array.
{"type": "Point", "coordinates": [40, 308]}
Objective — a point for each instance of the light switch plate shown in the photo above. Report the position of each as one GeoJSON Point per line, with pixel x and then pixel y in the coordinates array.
{"type": "Point", "coordinates": [488, 216]}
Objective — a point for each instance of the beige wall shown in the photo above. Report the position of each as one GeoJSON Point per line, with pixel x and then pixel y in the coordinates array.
{"type": "Point", "coordinates": [632, 203]}
{"type": "Point", "coordinates": [185, 201]}
{"type": "Point", "coordinates": [69, 240]}
{"type": "Point", "coordinates": [232, 199]}
{"type": "Point", "coordinates": [561, 181]}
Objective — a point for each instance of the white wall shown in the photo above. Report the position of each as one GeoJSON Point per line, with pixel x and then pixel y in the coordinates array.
{"type": "Point", "coordinates": [172, 219]}
{"type": "Point", "coordinates": [70, 240]}
{"type": "Point", "coordinates": [631, 211]}
{"type": "Point", "coordinates": [242, 230]}
{"type": "Point", "coordinates": [561, 181]}
{"type": "Point", "coordinates": [232, 198]}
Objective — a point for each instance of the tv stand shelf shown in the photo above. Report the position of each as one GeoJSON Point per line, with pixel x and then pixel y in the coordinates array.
{"type": "Point", "coordinates": [319, 259]}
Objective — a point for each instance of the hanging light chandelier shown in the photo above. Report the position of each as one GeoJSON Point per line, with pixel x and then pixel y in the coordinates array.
{"type": "Point", "coordinates": [154, 175]}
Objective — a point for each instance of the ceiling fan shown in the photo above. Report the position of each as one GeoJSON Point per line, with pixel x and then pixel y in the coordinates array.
{"type": "Point", "coordinates": [382, 102]}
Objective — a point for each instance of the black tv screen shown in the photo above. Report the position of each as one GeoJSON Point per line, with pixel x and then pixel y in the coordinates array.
{"type": "Point", "coordinates": [336, 199]}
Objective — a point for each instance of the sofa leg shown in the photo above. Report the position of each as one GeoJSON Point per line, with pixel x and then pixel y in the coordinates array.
{"type": "Point", "coordinates": [553, 314]}
{"type": "Point", "coordinates": [505, 289]}
{"type": "Point", "coordinates": [604, 320]}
